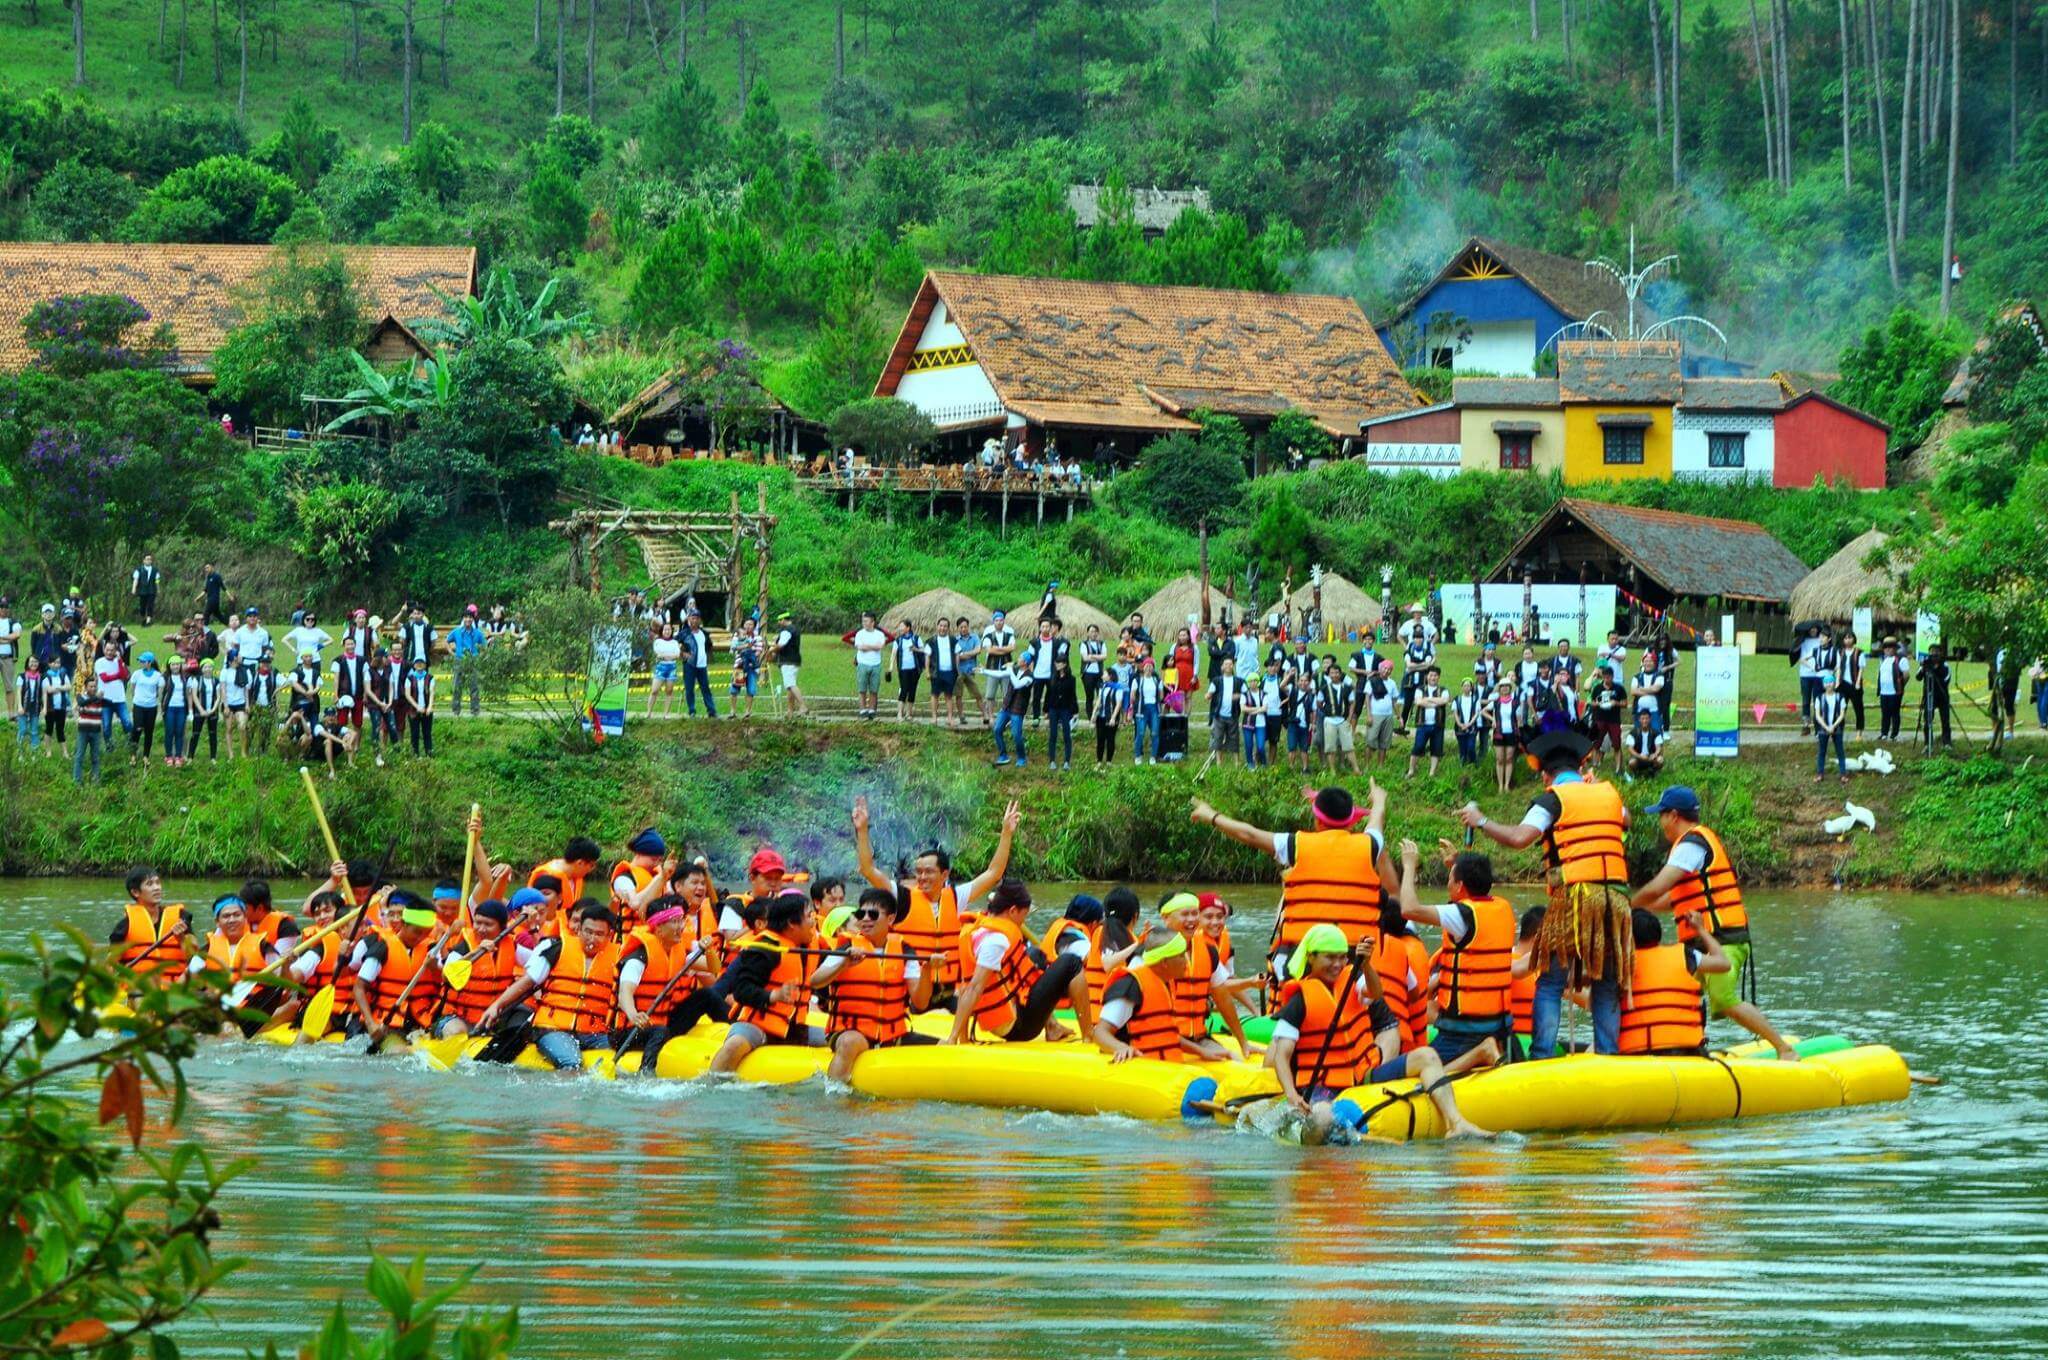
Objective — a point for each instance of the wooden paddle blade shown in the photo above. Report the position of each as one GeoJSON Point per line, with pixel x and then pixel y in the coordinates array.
{"type": "Point", "coordinates": [456, 972]}
{"type": "Point", "coordinates": [313, 1020]}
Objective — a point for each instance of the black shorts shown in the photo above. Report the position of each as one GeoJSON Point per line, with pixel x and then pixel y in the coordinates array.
{"type": "Point", "coordinates": [943, 683]}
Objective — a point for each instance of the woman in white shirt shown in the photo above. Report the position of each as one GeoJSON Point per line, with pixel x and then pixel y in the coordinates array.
{"type": "Point", "coordinates": [668, 656]}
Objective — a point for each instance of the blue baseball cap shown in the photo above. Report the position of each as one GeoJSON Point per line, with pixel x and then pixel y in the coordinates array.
{"type": "Point", "coordinates": [1677, 798]}
{"type": "Point", "coordinates": [526, 897]}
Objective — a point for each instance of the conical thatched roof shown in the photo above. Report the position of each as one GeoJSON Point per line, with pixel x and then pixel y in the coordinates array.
{"type": "Point", "coordinates": [1075, 616]}
{"type": "Point", "coordinates": [1171, 604]}
{"type": "Point", "coordinates": [926, 609]}
{"type": "Point", "coordinates": [1345, 606]}
{"type": "Point", "coordinates": [1837, 586]}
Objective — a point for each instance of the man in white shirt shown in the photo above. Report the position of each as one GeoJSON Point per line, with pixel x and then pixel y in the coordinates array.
{"type": "Point", "coordinates": [868, 642]}
{"type": "Point", "coordinates": [251, 640]}
{"type": "Point", "coordinates": [998, 647]}
{"type": "Point", "coordinates": [1647, 691]}
{"type": "Point", "coordinates": [789, 655]}
{"type": "Point", "coordinates": [1808, 651]}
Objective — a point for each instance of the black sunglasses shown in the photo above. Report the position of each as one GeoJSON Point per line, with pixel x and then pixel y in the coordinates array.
{"type": "Point", "coordinates": [868, 914]}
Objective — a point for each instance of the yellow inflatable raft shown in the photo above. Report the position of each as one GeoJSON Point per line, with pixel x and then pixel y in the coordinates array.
{"type": "Point", "coordinates": [1585, 1093]}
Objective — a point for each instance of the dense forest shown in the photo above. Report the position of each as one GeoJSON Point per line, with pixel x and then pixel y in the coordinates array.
{"type": "Point", "coordinates": [754, 191]}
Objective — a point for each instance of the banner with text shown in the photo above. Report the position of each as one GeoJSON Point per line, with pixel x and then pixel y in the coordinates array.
{"type": "Point", "coordinates": [1580, 615]}
{"type": "Point", "coordinates": [604, 696]}
{"type": "Point", "coordinates": [1717, 700]}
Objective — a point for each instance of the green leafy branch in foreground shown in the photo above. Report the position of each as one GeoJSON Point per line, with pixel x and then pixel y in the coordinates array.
{"type": "Point", "coordinates": [101, 1250]}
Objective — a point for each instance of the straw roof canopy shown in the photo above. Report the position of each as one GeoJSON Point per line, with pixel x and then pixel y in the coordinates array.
{"type": "Point", "coordinates": [926, 609]}
{"type": "Point", "coordinates": [1075, 616]}
{"type": "Point", "coordinates": [1345, 606]}
{"type": "Point", "coordinates": [1171, 604]}
{"type": "Point", "coordinates": [1835, 588]}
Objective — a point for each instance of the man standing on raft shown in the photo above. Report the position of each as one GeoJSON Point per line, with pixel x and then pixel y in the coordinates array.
{"type": "Point", "coordinates": [1586, 939]}
{"type": "Point", "coordinates": [1330, 875]}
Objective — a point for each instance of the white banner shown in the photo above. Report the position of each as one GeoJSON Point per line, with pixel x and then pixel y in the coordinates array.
{"type": "Point", "coordinates": [1580, 615]}
{"type": "Point", "coordinates": [1863, 622]}
{"type": "Point", "coordinates": [1926, 631]}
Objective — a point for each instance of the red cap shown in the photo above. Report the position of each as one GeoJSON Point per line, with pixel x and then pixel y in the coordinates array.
{"type": "Point", "coordinates": [1208, 900]}
{"type": "Point", "coordinates": [767, 862]}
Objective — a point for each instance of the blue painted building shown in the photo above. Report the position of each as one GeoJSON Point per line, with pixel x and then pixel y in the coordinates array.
{"type": "Point", "coordinates": [1494, 308]}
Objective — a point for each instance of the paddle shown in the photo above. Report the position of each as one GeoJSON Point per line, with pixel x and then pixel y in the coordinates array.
{"type": "Point", "coordinates": [660, 997]}
{"type": "Point", "coordinates": [321, 1008]}
{"type": "Point", "coordinates": [320, 815]}
{"type": "Point", "coordinates": [455, 972]}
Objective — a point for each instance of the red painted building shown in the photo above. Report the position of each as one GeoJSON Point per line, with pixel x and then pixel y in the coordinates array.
{"type": "Point", "coordinates": [1819, 437]}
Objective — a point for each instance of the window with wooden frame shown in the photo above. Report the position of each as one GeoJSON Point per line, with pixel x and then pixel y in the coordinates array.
{"type": "Point", "coordinates": [1517, 450]}
{"type": "Point", "coordinates": [1623, 444]}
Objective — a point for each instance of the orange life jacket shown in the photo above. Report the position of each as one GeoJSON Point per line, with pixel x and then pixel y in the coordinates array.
{"type": "Point", "coordinates": [996, 1009]}
{"type": "Point", "coordinates": [791, 965]}
{"type": "Point", "coordinates": [1713, 894]}
{"type": "Point", "coordinates": [400, 966]}
{"type": "Point", "coordinates": [1475, 977]}
{"type": "Point", "coordinates": [243, 958]}
{"type": "Point", "coordinates": [1522, 997]}
{"type": "Point", "coordinates": [701, 926]}
{"type": "Point", "coordinates": [1156, 1026]}
{"type": "Point", "coordinates": [932, 931]}
{"type": "Point", "coordinates": [1587, 844]}
{"type": "Point", "coordinates": [1415, 1023]}
{"type": "Point", "coordinates": [1390, 960]}
{"type": "Point", "coordinates": [1334, 879]}
{"type": "Point", "coordinates": [1336, 1047]}
{"type": "Point", "coordinates": [582, 992]}
{"type": "Point", "coordinates": [572, 882]}
{"type": "Point", "coordinates": [662, 963]}
{"type": "Point", "coordinates": [1222, 941]}
{"type": "Point", "coordinates": [1049, 942]}
{"type": "Point", "coordinates": [325, 969]}
{"type": "Point", "coordinates": [629, 915]}
{"type": "Point", "coordinates": [1191, 988]}
{"type": "Point", "coordinates": [490, 973]}
{"type": "Point", "coordinates": [266, 929]}
{"type": "Point", "coordinates": [139, 951]}
{"type": "Point", "coordinates": [871, 995]}
{"type": "Point", "coordinates": [1663, 1012]}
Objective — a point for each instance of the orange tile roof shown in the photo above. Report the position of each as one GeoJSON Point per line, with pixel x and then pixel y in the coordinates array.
{"type": "Point", "coordinates": [199, 289]}
{"type": "Point", "coordinates": [1060, 350]}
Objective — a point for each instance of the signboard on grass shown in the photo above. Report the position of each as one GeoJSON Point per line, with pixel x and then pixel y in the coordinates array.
{"type": "Point", "coordinates": [1717, 700]}
{"type": "Point", "coordinates": [604, 695]}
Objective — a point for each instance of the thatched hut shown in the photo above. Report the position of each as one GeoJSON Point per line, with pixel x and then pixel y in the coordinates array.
{"type": "Point", "coordinates": [1346, 608]}
{"type": "Point", "coordinates": [1835, 588]}
{"type": "Point", "coordinates": [1172, 604]}
{"type": "Point", "coordinates": [1075, 616]}
{"type": "Point", "coordinates": [928, 608]}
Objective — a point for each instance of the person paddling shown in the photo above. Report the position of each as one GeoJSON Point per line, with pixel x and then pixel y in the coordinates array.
{"type": "Point", "coordinates": [394, 963]}
{"type": "Point", "coordinates": [1698, 885]}
{"type": "Point", "coordinates": [874, 984]}
{"type": "Point", "coordinates": [770, 991]}
{"type": "Point", "coordinates": [653, 957]}
{"type": "Point", "coordinates": [1323, 1042]}
{"type": "Point", "coordinates": [576, 977]}
{"type": "Point", "coordinates": [645, 875]}
{"type": "Point", "coordinates": [148, 930]}
{"type": "Point", "coordinates": [1585, 940]}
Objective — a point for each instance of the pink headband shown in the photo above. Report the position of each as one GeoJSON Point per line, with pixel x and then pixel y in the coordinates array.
{"type": "Point", "coordinates": [663, 917]}
{"type": "Point", "coordinates": [1329, 823]}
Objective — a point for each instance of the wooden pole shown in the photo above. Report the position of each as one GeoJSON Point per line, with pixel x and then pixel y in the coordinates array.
{"type": "Point", "coordinates": [1202, 541]}
{"type": "Point", "coordinates": [732, 589]}
{"type": "Point", "coordinates": [761, 541]}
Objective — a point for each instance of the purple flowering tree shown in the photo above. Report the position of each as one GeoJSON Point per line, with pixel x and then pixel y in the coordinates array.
{"type": "Point", "coordinates": [83, 333]}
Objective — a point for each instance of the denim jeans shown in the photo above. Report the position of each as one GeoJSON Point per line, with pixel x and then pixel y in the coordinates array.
{"type": "Point", "coordinates": [1009, 724]}
{"type": "Point", "coordinates": [1606, 999]}
{"type": "Point", "coordinates": [29, 729]}
{"type": "Point", "coordinates": [1254, 732]}
{"type": "Point", "coordinates": [1820, 752]}
{"type": "Point", "coordinates": [119, 713]}
{"type": "Point", "coordinates": [1059, 733]}
{"type": "Point", "coordinates": [696, 678]}
{"type": "Point", "coordinates": [1809, 690]}
{"type": "Point", "coordinates": [174, 732]}
{"type": "Point", "coordinates": [87, 738]}
{"type": "Point", "coordinates": [1468, 747]}
{"type": "Point", "coordinates": [564, 1050]}
{"type": "Point", "coordinates": [1145, 726]}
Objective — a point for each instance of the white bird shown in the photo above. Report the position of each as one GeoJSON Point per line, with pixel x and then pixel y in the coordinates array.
{"type": "Point", "coordinates": [1861, 814]}
{"type": "Point", "coordinates": [1838, 826]}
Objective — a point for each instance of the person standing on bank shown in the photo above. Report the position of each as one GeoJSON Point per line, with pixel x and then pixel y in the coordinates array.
{"type": "Point", "coordinates": [1697, 884]}
{"type": "Point", "coordinates": [1893, 674]}
{"type": "Point", "coordinates": [1934, 677]}
{"type": "Point", "coordinates": [1850, 676]}
{"type": "Point", "coordinates": [1830, 715]}
{"type": "Point", "coordinates": [143, 584]}
{"type": "Point", "coordinates": [789, 655]}
{"type": "Point", "coordinates": [1429, 701]}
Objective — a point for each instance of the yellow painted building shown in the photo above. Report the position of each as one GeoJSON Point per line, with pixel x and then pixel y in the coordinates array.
{"type": "Point", "coordinates": [1618, 396]}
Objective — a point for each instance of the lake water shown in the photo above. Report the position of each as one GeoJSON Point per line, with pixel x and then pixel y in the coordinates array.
{"type": "Point", "coordinates": [640, 1219]}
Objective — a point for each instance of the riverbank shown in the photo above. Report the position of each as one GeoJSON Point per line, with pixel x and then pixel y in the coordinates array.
{"type": "Point", "coordinates": [722, 788]}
